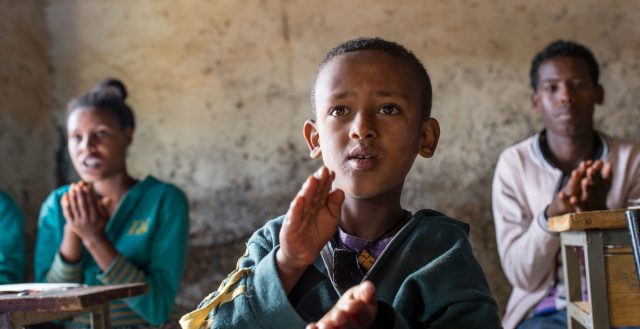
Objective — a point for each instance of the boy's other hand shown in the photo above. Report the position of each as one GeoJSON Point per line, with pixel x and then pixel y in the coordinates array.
{"type": "Point", "coordinates": [586, 189]}
{"type": "Point", "coordinates": [594, 187]}
{"type": "Point", "coordinates": [312, 219]}
{"type": "Point", "coordinates": [356, 309]}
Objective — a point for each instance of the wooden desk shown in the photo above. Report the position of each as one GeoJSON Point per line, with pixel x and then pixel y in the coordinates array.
{"type": "Point", "coordinates": [17, 311]}
{"type": "Point", "coordinates": [612, 284]}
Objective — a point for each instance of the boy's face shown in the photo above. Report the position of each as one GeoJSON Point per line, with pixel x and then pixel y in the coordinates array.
{"type": "Point", "coordinates": [566, 96]}
{"type": "Point", "coordinates": [369, 126]}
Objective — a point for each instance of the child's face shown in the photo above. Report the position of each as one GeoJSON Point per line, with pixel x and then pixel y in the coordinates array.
{"type": "Point", "coordinates": [566, 96]}
{"type": "Point", "coordinates": [97, 144]}
{"type": "Point", "coordinates": [369, 126]}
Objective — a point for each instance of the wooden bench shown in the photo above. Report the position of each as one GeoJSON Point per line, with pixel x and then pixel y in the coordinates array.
{"type": "Point", "coordinates": [612, 280]}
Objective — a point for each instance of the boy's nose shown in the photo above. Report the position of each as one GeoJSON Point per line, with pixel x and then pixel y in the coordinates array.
{"type": "Point", "coordinates": [363, 127]}
{"type": "Point", "coordinates": [566, 94]}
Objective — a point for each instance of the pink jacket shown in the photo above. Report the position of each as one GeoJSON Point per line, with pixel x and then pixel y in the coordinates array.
{"type": "Point", "coordinates": [523, 185]}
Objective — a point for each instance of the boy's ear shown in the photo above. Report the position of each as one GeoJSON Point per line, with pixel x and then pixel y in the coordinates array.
{"type": "Point", "coordinates": [128, 133]}
{"type": "Point", "coordinates": [535, 102]}
{"type": "Point", "coordinates": [599, 95]}
{"type": "Point", "coordinates": [430, 137]}
{"type": "Point", "coordinates": [313, 138]}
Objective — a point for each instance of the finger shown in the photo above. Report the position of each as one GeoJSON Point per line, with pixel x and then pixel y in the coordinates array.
{"type": "Point", "coordinates": [325, 185]}
{"type": "Point", "coordinates": [311, 326]}
{"type": "Point", "coordinates": [320, 196]}
{"type": "Point", "coordinates": [597, 165]}
{"type": "Point", "coordinates": [582, 167]}
{"type": "Point", "coordinates": [82, 204]}
{"type": "Point", "coordinates": [92, 204]}
{"type": "Point", "coordinates": [573, 187]}
{"type": "Point", "coordinates": [66, 210]}
{"type": "Point", "coordinates": [309, 192]}
{"type": "Point", "coordinates": [295, 214]}
{"type": "Point", "coordinates": [565, 200]}
{"type": "Point", "coordinates": [354, 313]}
{"type": "Point", "coordinates": [586, 187]}
{"type": "Point", "coordinates": [73, 203]}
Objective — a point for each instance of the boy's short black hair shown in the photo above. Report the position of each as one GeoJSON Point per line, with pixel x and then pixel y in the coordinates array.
{"type": "Point", "coordinates": [563, 48]}
{"type": "Point", "coordinates": [391, 48]}
{"type": "Point", "coordinates": [108, 95]}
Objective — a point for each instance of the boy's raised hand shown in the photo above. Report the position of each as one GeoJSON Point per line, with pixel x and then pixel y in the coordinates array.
{"type": "Point", "coordinates": [312, 219]}
{"type": "Point", "coordinates": [356, 309]}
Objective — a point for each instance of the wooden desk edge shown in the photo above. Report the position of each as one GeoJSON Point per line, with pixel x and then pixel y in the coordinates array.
{"type": "Point", "coordinates": [73, 300]}
{"type": "Point", "coordinates": [605, 219]}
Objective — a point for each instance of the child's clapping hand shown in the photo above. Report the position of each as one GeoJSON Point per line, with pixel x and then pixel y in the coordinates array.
{"type": "Point", "coordinates": [312, 219]}
{"type": "Point", "coordinates": [85, 212]}
{"type": "Point", "coordinates": [356, 309]}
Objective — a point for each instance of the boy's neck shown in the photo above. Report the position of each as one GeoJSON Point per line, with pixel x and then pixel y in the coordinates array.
{"type": "Point", "coordinates": [566, 152]}
{"type": "Point", "coordinates": [371, 218]}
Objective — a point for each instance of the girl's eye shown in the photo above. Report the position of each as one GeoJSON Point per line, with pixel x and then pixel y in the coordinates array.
{"type": "Point", "coordinates": [338, 111]}
{"type": "Point", "coordinates": [389, 109]}
{"type": "Point", "coordinates": [75, 138]}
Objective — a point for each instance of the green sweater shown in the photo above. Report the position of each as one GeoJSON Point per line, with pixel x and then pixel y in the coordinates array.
{"type": "Point", "coordinates": [12, 247]}
{"type": "Point", "coordinates": [150, 230]}
{"type": "Point", "coordinates": [427, 277]}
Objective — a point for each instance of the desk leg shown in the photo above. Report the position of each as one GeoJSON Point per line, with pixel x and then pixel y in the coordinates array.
{"type": "Point", "coordinates": [101, 317]}
{"type": "Point", "coordinates": [571, 268]}
{"type": "Point", "coordinates": [5, 320]}
{"type": "Point", "coordinates": [596, 279]}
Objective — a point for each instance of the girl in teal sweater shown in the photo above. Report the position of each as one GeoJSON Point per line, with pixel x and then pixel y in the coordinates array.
{"type": "Point", "coordinates": [111, 228]}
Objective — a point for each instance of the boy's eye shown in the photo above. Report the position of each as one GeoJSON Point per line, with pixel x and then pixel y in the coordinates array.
{"type": "Point", "coordinates": [552, 88]}
{"type": "Point", "coordinates": [100, 133]}
{"type": "Point", "coordinates": [338, 111]}
{"type": "Point", "coordinates": [389, 109]}
{"type": "Point", "coordinates": [577, 84]}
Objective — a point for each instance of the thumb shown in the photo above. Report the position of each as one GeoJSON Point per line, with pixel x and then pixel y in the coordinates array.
{"type": "Point", "coordinates": [366, 292]}
{"type": "Point", "coordinates": [607, 174]}
{"type": "Point", "coordinates": [105, 202]}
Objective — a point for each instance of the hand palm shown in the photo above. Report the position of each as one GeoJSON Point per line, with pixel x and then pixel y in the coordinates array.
{"type": "Point", "coordinates": [311, 220]}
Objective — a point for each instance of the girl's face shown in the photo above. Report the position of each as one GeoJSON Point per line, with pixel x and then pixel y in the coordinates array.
{"type": "Point", "coordinates": [97, 144]}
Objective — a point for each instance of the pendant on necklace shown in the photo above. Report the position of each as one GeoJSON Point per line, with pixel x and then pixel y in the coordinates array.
{"type": "Point", "coordinates": [365, 259]}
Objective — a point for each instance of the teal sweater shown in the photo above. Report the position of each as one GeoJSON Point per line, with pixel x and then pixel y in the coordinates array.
{"type": "Point", "coordinates": [150, 230]}
{"type": "Point", "coordinates": [12, 246]}
{"type": "Point", "coordinates": [427, 277]}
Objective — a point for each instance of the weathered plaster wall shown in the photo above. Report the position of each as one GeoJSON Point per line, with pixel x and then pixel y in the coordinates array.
{"type": "Point", "coordinates": [27, 139]}
{"type": "Point", "coordinates": [221, 89]}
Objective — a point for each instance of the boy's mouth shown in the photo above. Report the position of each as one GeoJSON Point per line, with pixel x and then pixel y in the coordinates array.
{"type": "Point", "coordinates": [363, 158]}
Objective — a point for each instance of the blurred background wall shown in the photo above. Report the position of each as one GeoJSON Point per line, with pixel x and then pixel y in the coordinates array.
{"type": "Point", "coordinates": [221, 90]}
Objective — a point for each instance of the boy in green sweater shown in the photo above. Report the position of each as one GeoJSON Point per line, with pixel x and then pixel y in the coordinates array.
{"type": "Point", "coordinates": [346, 254]}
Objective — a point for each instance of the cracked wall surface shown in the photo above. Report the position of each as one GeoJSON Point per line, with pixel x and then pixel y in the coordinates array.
{"type": "Point", "coordinates": [28, 141]}
{"type": "Point", "coordinates": [221, 90]}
